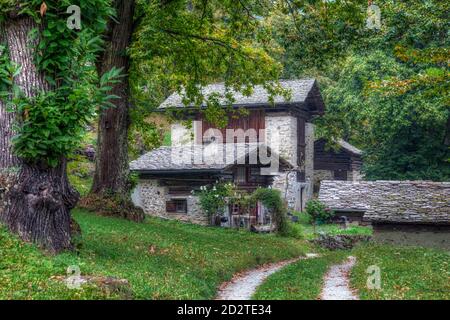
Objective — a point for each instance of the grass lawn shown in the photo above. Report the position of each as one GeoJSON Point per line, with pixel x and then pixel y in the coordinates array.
{"type": "Point", "coordinates": [334, 229]}
{"type": "Point", "coordinates": [302, 280]}
{"type": "Point", "coordinates": [305, 227]}
{"type": "Point", "coordinates": [406, 272]}
{"type": "Point", "coordinates": [161, 259]}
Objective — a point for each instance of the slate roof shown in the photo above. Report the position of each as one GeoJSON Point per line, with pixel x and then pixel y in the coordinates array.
{"type": "Point", "coordinates": [344, 145]}
{"type": "Point", "coordinates": [195, 157]}
{"type": "Point", "coordinates": [410, 202]}
{"type": "Point", "coordinates": [350, 148]}
{"type": "Point", "coordinates": [300, 91]}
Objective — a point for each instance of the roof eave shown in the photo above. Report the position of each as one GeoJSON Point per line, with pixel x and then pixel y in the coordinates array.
{"type": "Point", "coordinates": [275, 105]}
{"type": "Point", "coordinates": [175, 171]}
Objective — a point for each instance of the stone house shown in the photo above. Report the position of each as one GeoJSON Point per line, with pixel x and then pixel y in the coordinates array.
{"type": "Point", "coordinates": [272, 145]}
{"type": "Point", "coordinates": [401, 212]}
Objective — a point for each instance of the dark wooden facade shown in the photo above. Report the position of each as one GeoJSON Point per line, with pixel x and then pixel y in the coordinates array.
{"type": "Point", "coordinates": [255, 119]}
{"type": "Point", "coordinates": [338, 161]}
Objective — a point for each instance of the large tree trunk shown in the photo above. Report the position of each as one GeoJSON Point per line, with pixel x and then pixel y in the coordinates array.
{"type": "Point", "coordinates": [40, 200]}
{"type": "Point", "coordinates": [7, 158]}
{"type": "Point", "coordinates": [111, 171]}
{"type": "Point", "coordinates": [39, 206]}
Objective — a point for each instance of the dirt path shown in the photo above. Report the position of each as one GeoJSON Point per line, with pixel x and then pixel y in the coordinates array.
{"type": "Point", "coordinates": [337, 285]}
{"type": "Point", "coordinates": [243, 285]}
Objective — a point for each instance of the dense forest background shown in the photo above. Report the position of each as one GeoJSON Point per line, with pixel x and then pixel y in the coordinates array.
{"type": "Point", "coordinates": [386, 90]}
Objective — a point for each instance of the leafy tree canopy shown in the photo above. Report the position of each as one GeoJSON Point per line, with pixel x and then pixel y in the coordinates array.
{"type": "Point", "coordinates": [386, 90]}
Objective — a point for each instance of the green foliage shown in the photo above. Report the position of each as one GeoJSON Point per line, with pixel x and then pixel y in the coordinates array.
{"type": "Point", "coordinates": [303, 217]}
{"type": "Point", "coordinates": [406, 272]}
{"type": "Point", "coordinates": [295, 230]}
{"type": "Point", "coordinates": [8, 70]}
{"type": "Point", "coordinates": [50, 124]}
{"type": "Point", "coordinates": [213, 199]}
{"type": "Point", "coordinates": [315, 33]}
{"type": "Point", "coordinates": [54, 122]}
{"type": "Point", "coordinates": [271, 199]}
{"type": "Point", "coordinates": [161, 259]}
{"type": "Point", "coordinates": [181, 45]}
{"type": "Point", "coordinates": [310, 231]}
{"type": "Point", "coordinates": [386, 90]}
{"type": "Point", "coordinates": [318, 211]}
{"type": "Point", "coordinates": [80, 172]}
{"type": "Point", "coordinates": [402, 134]}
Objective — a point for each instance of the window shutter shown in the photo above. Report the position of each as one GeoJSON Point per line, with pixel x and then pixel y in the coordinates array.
{"type": "Point", "coordinates": [171, 206]}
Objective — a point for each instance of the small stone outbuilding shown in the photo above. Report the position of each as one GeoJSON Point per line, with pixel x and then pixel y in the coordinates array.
{"type": "Point", "coordinates": [401, 212]}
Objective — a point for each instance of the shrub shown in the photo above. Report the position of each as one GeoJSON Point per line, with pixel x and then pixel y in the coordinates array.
{"type": "Point", "coordinates": [294, 230]}
{"type": "Point", "coordinates": [318, 212]}
{"type": "Point", "coordinates": [213, 198]}
{"type": "Point", "coordinates": [303, 217]}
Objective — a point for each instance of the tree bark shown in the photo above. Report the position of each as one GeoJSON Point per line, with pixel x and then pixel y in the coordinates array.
{"type": "Point", "coordinates": [7, 158]}
{"type": "Point", "coordinates": [40, 200]}
{"type": "Point", "coordinates": [39, 206]}
{"type": "Point", "coordinates": [111, 170]}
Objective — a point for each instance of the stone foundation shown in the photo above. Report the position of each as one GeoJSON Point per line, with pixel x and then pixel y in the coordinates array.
{"type": "Point", "coordinates": [340, 242]}
{"type": "Point", "coordinates": [413, 235]}
{"type": "Point", "coordinates": [292, 195]}
{"type": "Point", "coordinates": [152, 198]}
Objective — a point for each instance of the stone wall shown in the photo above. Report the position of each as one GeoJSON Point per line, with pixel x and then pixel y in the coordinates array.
{"type": "Point", "coordinates": [152, 199]}
{"type": "Point", "coordinates": [355, 175]}
{"type": "Point", "coordinates": [420, 235]}
{"type": "Point", "coordinates": [309, 160]}
{"type": "Point", "coordinates": [417, 202]}
{"type": "Point", "coordinates": [293, 188]}
{"type": "Point", "coordinates": [320, 175]}
{"type": "Point", "coordinates": [281, 130]}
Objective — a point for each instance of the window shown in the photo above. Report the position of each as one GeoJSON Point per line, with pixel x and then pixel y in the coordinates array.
{"type": "Point", "coordinates": [176, 205]}
{"type": "Point", "coordinates": [240, 175]}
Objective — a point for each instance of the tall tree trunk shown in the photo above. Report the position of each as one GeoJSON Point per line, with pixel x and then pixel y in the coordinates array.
{"type": "Point", "coordinates": [7, 158]}
{"type": "Point", "coordinates": [111, 170]}
{"type": "Point", "coordinates": [41, 198]}
{"type": "Point", "coordinates": [8, 161]}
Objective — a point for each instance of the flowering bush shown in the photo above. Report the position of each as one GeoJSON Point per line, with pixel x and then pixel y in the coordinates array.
{"type": "Point", "coordinates": [214, 198]}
